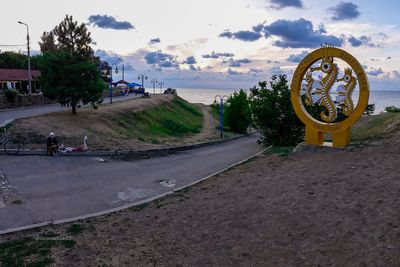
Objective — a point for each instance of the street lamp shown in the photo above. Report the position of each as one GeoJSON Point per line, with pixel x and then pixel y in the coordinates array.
{"type": "Point", "coordinates": [161, 86]}
{"type": "Point", "coordinates": [29, 57]}
{"type": "Point", "coordinates": [154, 81]}
{"type": "Point", "coordinates": [141, 76]}
{"type": "Point", "coordinates": [221, 111]}
{"type": "Point", "coordinates": [111, 80]}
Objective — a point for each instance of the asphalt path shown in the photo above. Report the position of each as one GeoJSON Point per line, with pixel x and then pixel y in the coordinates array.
{"type": "Point", "coordinates": [7, 116]}
{"type": "Point", "coordinates": [57, 188]}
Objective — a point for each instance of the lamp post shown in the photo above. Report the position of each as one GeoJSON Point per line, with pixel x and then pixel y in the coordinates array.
{"type": "Point", "coordinates": [29, 57]}
{"type": "Point", "coordinates": [161, 86]}
{"type": "Point", "coordinates": [111, 80]}
{"type": "Point", "coordinates": [221, 112]}
{"type": "Point", "coordinates": [154, 81]}
{"type": "Point", "coordinates": [141, 76]}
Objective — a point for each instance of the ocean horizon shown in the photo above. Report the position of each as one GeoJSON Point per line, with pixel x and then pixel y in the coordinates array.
{"type": "Point", "coordinates": [381, 98]}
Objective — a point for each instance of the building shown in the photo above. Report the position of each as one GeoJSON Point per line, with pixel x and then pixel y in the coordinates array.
{"type": "Point", "coordinates": [18, 80]}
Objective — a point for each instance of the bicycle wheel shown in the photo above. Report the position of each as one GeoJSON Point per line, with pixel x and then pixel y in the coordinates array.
{"type": "Point", "coordinates": [11, 147]}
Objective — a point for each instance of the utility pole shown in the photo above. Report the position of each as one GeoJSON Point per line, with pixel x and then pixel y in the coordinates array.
{"type": "Point", "coordinates": [29, 57]}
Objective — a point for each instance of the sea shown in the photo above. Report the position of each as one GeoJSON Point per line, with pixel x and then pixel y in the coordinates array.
{"type": "Point", "coordinates": [381, 99]}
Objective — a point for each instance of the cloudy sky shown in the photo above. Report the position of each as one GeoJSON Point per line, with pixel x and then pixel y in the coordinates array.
{"type": "Point", "coordinates": [219, 43]}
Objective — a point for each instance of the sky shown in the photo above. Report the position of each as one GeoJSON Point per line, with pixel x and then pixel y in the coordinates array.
{"type": "Point", "coordinates": [218, 43]}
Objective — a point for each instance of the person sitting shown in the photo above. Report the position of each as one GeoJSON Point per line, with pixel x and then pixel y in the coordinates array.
{"type": "Point", "coordinates": [52, 145]}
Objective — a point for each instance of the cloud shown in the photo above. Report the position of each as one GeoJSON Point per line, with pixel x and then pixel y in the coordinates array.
{"type": "Point", "coordinates": [109, 22]}
{"type": "Point", "coordinates": [279, 4]}
{"type": "Point", "coordinates": [296, 58]}
{"type": "Point", "coordinates": [375, 72]}
{"type": "Point", "coordinates": [255, 70]}
{"type": "Point", "coordinates": [362, 40]}
{"type": "Point", "coordinates": [218, 55]}
{"type": "Point", "coordinates": [236, 62]}
{"type": "Point", "coordinates": [233, 72]}
{"type": "Point", "coordinates": [154, 41]}
{"type": "Point", "coordinates": [299, 34]}
{"type": "Point", "coordinates": [344, 11]}
{"type": "Point", "coordinates": [388, 58]}
{"type": "Point", "coordinates": [110, 57]}
{"type": "Point", "coordinates": [246, 36]}
{"type": "Point", "coordinates": [276, 70]}
{"type": "Point", "coordinates": [159, 59]}
{"type": "Point", "coordinates": [190, 60]}
{"type": "Point", "coordinates": [193, 68]}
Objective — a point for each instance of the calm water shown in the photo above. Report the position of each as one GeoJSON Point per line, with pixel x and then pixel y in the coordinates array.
{"type": "Point", "coordinates": [381, 99]}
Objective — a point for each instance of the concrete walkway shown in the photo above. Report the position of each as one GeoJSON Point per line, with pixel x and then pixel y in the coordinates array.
{"type": "Point", "coordinates": [36, 189]}
{"type": "Point", "coordinates": [7, 116]}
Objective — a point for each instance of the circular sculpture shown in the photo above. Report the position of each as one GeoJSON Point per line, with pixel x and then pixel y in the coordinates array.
{"type": "Point", "coordinates": [323, 91]}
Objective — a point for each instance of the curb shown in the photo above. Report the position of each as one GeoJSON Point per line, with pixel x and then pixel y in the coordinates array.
{"type": "Point", "coordinates": [130, 154]}
{"type": "Point", "coordinates": [130, 205]}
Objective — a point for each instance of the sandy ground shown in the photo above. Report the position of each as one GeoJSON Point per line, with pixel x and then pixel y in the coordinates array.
{"type": "Point", "coordinates": [338, 208]}
{"type": "Point", "coordinates": [101, 134]}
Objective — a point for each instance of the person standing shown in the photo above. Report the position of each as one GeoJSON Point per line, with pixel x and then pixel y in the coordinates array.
{"type": "Point", "coordinates": [52, 145]}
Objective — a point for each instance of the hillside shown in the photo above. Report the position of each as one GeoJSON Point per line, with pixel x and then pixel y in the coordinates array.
{"type": "Point", "coordinates": [162, 120]}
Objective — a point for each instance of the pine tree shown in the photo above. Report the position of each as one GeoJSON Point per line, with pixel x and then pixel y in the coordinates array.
{"type": "Point", "coordinates": [48, 43]}
{"type": "Point", "coordinates": [69, 68]}
{"type": "Point", "coordinates": [73, 38]}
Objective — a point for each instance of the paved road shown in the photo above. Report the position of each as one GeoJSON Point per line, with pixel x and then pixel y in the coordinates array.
{"type": "Point", "coordinates": [6, 116]}
{"type": "Point", "coordinates": [54, 188]}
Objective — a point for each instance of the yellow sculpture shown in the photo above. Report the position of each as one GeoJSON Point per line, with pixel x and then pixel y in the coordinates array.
{"type": "Point", "coordinates": [335, 116]}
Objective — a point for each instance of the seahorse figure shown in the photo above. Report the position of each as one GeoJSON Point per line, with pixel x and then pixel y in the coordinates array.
{"type": "Point", "coordinates": [331, 71]}
{"type": "Point", "coordinates": [345, 91]}
{"type": "Point", "coordinates": [307, 88]}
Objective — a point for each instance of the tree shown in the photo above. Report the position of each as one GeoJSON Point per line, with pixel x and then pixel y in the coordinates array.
{"type": "Point", "coordinates": [69, 69]}
{"type": "Point", "coordinates": [237, 112]}
{"type": "Point", "coordinates": [69, 79]}
{"type": "Point", "coordinates": [73, 38]}
{"type": "Point", "coordinates": [273, 113]}
{"type": "Point", "coordinates": [48, 43]}
{"type": "Point", "coordinates": [13, 60]}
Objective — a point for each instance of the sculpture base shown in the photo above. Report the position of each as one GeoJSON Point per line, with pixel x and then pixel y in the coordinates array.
{"type": "Point", "coordinates": [316, 137]}
{"type": "Point", "coordinates": [325, 147]}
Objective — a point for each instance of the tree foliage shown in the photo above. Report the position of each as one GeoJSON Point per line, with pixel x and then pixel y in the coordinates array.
{"type": "Point", "coordinates": [48, 43]}
{"type": "Point", "coordinates": [237, 112]}
{"type": "Point", "coordinates": [68, 37]}
{"type": "Point", "coordinates": [273, 113]}
{"type": "Point", "coordinates": [69, 69]}
{"type": "Point", "coordinates": [69, 79]}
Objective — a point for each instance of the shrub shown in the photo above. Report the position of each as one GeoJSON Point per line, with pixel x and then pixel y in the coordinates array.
{"type": "Point", "coordinates": [273, 113]}
{"type": "Point", "coordinates": [369, 110]}
{"type": "Point", "coordinates": [392, 109]}
{"type": "Point", "coordinates": [10, 95]}
{"type": "Point", "coordinates": [237, 112]}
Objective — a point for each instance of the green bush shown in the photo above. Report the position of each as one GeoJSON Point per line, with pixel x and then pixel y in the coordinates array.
{"type": "Point", "coordinates": [392, 109]}
{"type": "Point", "coordinates": [10, 95]}
{"type": "Point", "coordinates": [273, 113]}
{"type": "Point", "coordinates": [237, 112]}
{"type": "Point", "coordinates": [369, 110]}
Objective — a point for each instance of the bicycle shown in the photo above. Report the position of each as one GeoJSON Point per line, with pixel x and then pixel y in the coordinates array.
{"type": "Point", "coordinates": [10, 146]}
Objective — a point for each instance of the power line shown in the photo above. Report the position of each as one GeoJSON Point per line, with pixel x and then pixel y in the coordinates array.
{"type": "Point", "coordinates": [11, 45]}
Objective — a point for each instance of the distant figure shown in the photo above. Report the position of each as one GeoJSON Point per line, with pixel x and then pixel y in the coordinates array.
{"type": "Point", "coordinates": [52, 145]}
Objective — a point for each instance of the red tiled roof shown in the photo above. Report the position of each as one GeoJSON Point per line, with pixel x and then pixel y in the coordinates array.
{"type": "Point", "coordinates": [17, 75]}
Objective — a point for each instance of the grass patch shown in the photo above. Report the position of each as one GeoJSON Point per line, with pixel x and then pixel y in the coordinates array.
{"type": "Point", "coordinates": [76, 228]}
{"type": "Point", "coordinates": [375, 127]}
{"type": "Point", "coordinates": [283, 151]}
{"type": "Point", "coordinates": [32, 251]}
{"type": "Point", "coordinates": [175, 119]}
{"type": "Point", "coordinates": [140, 207]}
{"type": "Point", "coordinates": [17, 202]}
